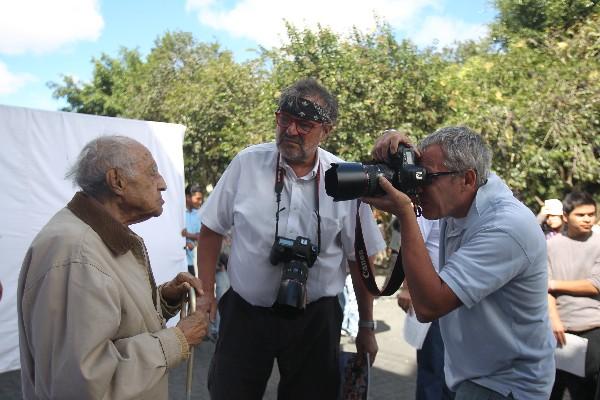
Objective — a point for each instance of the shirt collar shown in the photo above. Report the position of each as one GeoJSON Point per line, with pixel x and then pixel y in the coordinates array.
{"type": "Point", "coordinates": [454, 226]}
{"type": "Point", "coordinates": [483, 200]}
{"type": "Point", "coordinates": [486, 194]}
{"type": "Point", "coordinates": [117, 237]}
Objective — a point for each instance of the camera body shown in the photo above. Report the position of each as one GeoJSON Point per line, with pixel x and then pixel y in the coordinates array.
{"type": "Point", "coordinates": [348, 181]}
{"type": "Point", "coordinates": [297, 257]}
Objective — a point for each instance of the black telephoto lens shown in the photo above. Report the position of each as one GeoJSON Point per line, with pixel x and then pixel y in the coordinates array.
{"type": "Point", "coordinates": [291, 297]}
{"type": "Point", "coordinates": [348, 181]}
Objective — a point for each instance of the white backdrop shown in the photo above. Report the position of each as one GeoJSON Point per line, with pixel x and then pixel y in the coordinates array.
{"type": "Point", "coordinates": [36, 148]}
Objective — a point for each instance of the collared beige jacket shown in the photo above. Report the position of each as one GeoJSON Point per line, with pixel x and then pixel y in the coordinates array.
{"type": "Point", "coordinates": [89, 323]}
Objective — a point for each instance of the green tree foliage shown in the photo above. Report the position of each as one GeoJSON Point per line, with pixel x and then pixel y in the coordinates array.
{"type": "Point", "coordinates": [539, 108]}
{"type": "Point", "coordinates": [533, 19]}
{"type": "Point", "coordinates": [379, 83]}
{"type": "Point", "coordinates": [104, 94]}
{"type": "Point", "coordinates": [536, 97]}
{"type": "Point", "coordinates": [181, 81]}
{"type": "Point", "coordinates": [203, 88]}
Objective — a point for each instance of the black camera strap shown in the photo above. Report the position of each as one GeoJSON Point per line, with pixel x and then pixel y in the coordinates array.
{"type": "Point", "coordinates": [279, 177]}
{"type": "Point", "coordinates": [367, 270]}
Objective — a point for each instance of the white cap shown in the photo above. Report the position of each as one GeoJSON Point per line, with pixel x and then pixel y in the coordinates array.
{"type": "Point", "coordinates": [552, 207]}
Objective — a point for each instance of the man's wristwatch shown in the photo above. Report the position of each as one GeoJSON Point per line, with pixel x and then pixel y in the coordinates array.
{"type": "Point", "coordinates": [372, 325]}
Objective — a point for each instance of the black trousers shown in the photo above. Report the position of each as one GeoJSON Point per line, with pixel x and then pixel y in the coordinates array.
{"type": "Point", "coordinates": [581, 388]}
{"type": "Point", "coordinates": [251, 338]}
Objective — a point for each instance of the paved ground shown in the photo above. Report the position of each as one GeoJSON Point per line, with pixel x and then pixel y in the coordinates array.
{"type": "Point", "coordinates": [393, 374]}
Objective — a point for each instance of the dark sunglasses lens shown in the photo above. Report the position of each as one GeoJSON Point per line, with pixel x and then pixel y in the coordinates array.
{"type": "Point", "coordinates": [283, 120]}
{"type": "Point", "coordinates": [304, 127]}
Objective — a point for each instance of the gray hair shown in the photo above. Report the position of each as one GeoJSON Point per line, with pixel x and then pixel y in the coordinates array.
{"type": "Point", "coordinates": [309, 87]}
{"type": "Point", "coordinates": [99, 156]}
{"type": "Point", "coordinates": [463, 149]}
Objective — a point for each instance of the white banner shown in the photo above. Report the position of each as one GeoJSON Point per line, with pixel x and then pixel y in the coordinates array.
{"type": "Point", "coordinates": [36, 149]}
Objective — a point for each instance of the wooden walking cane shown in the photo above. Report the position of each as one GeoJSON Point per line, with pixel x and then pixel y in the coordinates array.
{"type": "Point", "coordinates": [188, 308]}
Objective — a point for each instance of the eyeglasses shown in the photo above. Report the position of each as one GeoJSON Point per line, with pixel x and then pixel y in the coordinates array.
{"type": "Point", "coordinates": [303, 126]}
{"type": "Point", "coordinates": [431, 176]}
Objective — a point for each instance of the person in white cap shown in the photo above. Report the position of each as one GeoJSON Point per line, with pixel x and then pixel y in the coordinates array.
{"type": "Point", "coordinates": [550, 217]}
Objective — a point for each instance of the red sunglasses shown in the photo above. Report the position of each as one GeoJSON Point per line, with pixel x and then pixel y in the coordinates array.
{"type": "Point", "coordinates": [303, 126]}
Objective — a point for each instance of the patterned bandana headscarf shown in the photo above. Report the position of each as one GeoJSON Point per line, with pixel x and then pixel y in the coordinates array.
{"type": "Point", "coordinates": [305, 109]}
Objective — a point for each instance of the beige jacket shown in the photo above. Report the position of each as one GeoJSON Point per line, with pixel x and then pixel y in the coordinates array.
{"type": "Point", "coordinates": [89, 326]}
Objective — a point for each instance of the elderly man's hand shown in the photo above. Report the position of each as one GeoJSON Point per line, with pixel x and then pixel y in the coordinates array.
{"type": "Point", "coordinates": [174, 290]}
{"type": "Point", "coordinates": [388, 144]}
{"type": "Point", "coordinates": [194, 327]}
{"type": "Point", "coordinates": [208, 305]}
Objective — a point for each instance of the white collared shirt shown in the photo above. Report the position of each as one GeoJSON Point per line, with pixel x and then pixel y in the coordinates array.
{"type": "Point", "coordinates": [244, 201]}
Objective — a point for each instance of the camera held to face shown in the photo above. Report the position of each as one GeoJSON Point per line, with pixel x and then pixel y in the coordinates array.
{"type": "Point", "coordinates": [297, 257]}
{"type": "Point", "coordinates": [347, 181]}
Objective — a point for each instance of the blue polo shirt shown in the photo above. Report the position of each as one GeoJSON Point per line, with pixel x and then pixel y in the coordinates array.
{"type": "Point", "coordinates": [494, 260]}
{"type": "Point", "coordinates": [192, 225]}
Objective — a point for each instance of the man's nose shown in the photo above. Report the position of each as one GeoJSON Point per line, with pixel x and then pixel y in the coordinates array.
{"type": "Point", "coordinates": [292, 129]}
{"type": "Point", "coordinates": [162, 185]}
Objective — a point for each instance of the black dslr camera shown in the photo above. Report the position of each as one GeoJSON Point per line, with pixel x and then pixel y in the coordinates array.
{"type": "Point", "coordinates": [347, 181]}
{"type": "Point", "coordinates": [298, 256]}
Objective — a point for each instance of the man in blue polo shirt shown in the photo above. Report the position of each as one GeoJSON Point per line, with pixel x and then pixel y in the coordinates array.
{"type": "Point", "coordinates": [193, 201]}
{"type": "Point", "coordinates": [491, 292]}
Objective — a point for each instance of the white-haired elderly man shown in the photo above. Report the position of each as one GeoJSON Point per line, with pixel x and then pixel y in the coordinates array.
{"type": "Point", "coordinates": [490, 294]}
{"type": "Point", "coordinates": [91, 318]}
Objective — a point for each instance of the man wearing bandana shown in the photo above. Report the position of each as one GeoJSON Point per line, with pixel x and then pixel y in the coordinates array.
{"type": "Point", "coordinates": [277, 190]}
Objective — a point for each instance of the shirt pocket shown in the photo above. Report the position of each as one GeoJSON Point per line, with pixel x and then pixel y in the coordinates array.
{"type": "Point", "coordinates": [331, 233]}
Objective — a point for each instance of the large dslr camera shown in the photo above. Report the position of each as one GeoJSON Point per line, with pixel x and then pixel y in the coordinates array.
{"type": "Point", "coordinates": [347, 181]}
{"type": "Point", "coordinates": [297, 257]}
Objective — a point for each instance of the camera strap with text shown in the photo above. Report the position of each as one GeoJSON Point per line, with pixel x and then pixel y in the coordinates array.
{"type": "Point", "coordinates": [367, 270]}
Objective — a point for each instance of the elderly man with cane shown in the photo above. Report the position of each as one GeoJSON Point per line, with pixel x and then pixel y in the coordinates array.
{"type": "Point", "coordinates": [91, 317]}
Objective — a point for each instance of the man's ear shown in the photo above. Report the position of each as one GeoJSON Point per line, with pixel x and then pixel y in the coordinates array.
{"type": "Point", "coordinates": [565, 217]}
{"type": "Point", "coordinates": [327, 129]}
{"type": "Point", "coordinates": [471, 179]}
{"type": "Point", "coordinates": [115, 181]}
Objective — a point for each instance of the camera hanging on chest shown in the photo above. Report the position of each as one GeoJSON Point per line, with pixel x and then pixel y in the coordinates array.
{"type": "Point", "coordinates": [297, 256]}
